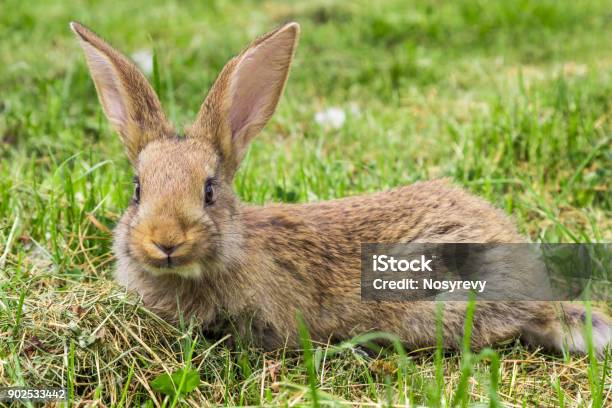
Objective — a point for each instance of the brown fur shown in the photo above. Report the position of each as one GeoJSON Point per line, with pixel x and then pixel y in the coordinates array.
{"type": "Point", "coordinates": [256, 267]}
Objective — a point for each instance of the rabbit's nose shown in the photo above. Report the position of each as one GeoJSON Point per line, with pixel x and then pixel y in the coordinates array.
{"type": "Point", "coordinates": [167, 249]}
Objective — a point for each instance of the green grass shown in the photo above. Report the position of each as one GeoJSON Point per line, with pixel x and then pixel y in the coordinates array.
{"type": "Point", "coordinates": [509, 99]}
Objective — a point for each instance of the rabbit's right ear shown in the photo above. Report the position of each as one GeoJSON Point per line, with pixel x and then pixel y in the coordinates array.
{"type": "Point", "coordinates": [129, 102]}
{"type": "Point", "coordinates": [245, 95]}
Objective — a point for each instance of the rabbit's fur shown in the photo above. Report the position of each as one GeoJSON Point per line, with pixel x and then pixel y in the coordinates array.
{"type": "Point", "coordinates": [255, 267]}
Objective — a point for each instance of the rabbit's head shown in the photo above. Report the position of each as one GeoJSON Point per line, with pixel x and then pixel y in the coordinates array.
{"type": "Point", "coordinates": [182, 215]}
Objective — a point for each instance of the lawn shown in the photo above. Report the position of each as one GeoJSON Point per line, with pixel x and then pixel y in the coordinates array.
{"type": "Point", "coordinates": [511, 100]}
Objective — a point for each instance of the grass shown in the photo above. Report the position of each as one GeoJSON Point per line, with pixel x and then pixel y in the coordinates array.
{"type": "Point", "coordinates": [509, 99]}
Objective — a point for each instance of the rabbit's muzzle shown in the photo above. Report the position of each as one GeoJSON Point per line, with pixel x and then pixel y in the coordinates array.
{"type": "Point", "coordinates": [168, 245]}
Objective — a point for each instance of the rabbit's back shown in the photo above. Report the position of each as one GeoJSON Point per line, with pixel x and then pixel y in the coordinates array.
{"type": "Point", "coordinates": [431, 211]}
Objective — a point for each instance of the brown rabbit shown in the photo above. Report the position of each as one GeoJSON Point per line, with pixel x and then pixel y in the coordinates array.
{"type": "Point", "coordinates": [187, 244]}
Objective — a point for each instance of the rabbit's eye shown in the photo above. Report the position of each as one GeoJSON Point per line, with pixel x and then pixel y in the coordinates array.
{"type": "Point", "coordinates": [209, 192]}
{"type": "Point", "coordinates": [136, 191]}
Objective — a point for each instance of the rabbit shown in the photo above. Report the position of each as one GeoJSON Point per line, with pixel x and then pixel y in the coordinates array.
{"type": "Point", "coordinates": [189, 247]}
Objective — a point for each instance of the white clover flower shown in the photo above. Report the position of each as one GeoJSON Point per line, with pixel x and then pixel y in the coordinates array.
{"type": "Point", "coordinates": [144, 59]}
{"type": "Point", "coordinates": [333, 117]}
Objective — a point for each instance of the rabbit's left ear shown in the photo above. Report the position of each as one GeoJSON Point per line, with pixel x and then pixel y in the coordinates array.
{"type": "Point", "coordinates": [245, 95]}
{"type": "Point", "coordinates": [129, 102]}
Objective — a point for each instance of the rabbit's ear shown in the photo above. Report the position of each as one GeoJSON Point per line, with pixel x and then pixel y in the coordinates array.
{"type": "Point", "coordinates": [245, 95]}
{"type": "Point", "coordinates": [128, 100]}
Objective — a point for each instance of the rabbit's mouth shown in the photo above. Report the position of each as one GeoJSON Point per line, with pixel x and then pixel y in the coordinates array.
{"type": "Point", "coordinates": [182, 265]}
{"type": "Point", "coordinates": [168, 254]}
{"type": "Point", "coordinates": [184, 262]}
{"type": "Point", "coordinates": [191, 271]}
